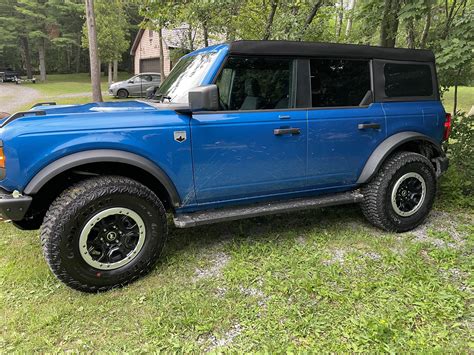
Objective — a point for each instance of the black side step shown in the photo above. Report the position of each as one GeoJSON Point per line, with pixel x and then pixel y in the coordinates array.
{"type": "Point", "coordinates": [261, 209]}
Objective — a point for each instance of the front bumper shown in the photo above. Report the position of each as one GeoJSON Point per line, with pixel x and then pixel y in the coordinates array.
{"type": "Point", "coordinates": [13, 208]}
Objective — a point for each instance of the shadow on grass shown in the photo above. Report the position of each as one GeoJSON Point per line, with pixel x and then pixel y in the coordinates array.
{"type": "Point", "coordinates": [266, 228]}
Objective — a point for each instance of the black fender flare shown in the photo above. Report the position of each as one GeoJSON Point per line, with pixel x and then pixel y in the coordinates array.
{"type": "Point", "coordinates": [101, 156]}
{"type": "Point", "coordinates": [385, 148]}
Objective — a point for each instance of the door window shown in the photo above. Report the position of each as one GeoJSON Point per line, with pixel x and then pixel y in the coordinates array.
{"type": "Point", "coordinates": [339, 82]}
{"type": "Point", "coordinates": [256, 83]}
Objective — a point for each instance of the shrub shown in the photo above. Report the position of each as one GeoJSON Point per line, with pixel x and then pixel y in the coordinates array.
{"type": "Point", "coordinates": [457, 185]}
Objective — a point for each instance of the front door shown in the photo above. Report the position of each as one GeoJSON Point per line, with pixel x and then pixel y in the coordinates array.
{"type": "Point", "coordinates": [344, 126]}
{"type": "Point", "coordinates": [255, 147]}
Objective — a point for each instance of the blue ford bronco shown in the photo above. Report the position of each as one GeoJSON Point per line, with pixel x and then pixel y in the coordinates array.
{"type": "Point", "coordinates": [237, 130]}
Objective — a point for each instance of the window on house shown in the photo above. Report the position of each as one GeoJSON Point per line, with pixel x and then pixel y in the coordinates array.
{"type": "Point", "coordinates": [403, 80]}
{"type": "Point", "coordinates": [339, 82]}
{"type": "Point", "coordinates": [255, 83]}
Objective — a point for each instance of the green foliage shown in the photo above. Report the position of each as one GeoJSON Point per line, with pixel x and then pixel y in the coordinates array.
{"type": "Point", "coordinates": [457, 186]}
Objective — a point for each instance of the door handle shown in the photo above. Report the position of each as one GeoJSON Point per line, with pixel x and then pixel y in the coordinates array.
{"type": "Point", "coordinates": [368, 125]}
{"type": "Point", "coordinates": [283, 131]}
{"type": "Point", "coordinates": [284, 117]}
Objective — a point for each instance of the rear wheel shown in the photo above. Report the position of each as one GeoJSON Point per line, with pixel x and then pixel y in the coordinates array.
{"type": "Point", "coordinates": [402, 193]}
{"type": "Point", "coordinates": [103, 233]}
{"type": "Point", "coordinates": [122, 94]}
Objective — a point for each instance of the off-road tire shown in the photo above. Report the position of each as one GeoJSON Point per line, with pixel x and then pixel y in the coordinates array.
{"type": "Point", "coordinates": [122, 94]}
{"type": "Point", "coordinates": [70, 212]}
{"type": "Point", "coordinates": [376, 205]}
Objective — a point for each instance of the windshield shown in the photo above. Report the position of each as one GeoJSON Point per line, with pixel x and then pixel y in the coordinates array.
{"type": "Point", "coordinates": [187, 74]}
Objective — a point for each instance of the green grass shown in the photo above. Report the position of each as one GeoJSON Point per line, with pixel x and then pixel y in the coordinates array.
{"type": "Point", "coordinates": [320, 280]}
{"type": "Point", "coordinates": [60, 84]}
{"type": "Point", "coordinates": [68, 89]}
{"type": "Point", "coordinates": [465, 99]}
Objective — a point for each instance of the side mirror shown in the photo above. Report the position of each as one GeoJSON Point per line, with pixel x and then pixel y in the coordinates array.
{"type": "Point", "coordinates": [130, 81]}
{"type": "Point", "coordinates": [204, 98]}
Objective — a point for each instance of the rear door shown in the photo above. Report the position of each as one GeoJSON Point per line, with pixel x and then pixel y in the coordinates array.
{"type": "Point", "coordinates": [255, 146]}
{"type": "Point", "coordinates": [344, 125]}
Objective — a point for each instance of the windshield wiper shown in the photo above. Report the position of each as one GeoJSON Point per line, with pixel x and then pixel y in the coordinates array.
{"type": "Point", "coordinates": [162, 97]}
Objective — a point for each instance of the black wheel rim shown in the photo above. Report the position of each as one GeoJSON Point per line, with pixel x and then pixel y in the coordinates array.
{"type": "Point", "coordinates": [112, 238]}
{"type": "Point", "coordinates": [408, 194]}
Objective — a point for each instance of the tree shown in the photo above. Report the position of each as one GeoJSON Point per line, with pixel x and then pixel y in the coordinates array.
{"type": "Point", "coordinates": [390, 21]}
{"type": "Point", "coordinates": [112, 32]}
{"type": "Point", "coordinates": [93, 51]}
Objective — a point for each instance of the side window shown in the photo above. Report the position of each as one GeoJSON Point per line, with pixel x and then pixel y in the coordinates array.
{"type": "Point", "coordinates": [156, 78]}
{"type": "Point", "coordinates": [255, 83]}
{"type": "Point", "coordinates": [402, 80]}
{"type": "Point", "coordinates": [339, 82]}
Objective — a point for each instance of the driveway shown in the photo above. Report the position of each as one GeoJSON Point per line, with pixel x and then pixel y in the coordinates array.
{"type": "Point", "coordinates": [14, 97]}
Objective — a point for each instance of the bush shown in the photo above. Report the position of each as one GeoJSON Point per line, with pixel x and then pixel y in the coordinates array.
{"type": "Point", "coordinates": [457, 185]}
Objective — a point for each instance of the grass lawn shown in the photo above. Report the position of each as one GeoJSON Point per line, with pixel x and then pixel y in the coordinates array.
{"type": "Point", "coordinates": [60, 84]}
{"type": "Point", "coordinates": [67, 89]}
{"type": "Point", "coordinates": [320, 280]}
{"type": "Point", "coordinates": [465, 99]}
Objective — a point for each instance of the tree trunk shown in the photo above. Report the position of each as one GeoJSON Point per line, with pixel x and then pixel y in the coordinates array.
{"type": "Point", "coordinates": [349, 19]}
{"type": "Point", "coordinates": [410, 33]}
{"type": "Point", "coordinates": [339, 19]}
{"type": "Point", "coordinates": [93, 51]}
{"type": "Point", "coordinates": [268, 27]}
{"type": "Point", "coordinates": [25, 50]}
{"type": "Point", "coordinates": [455, 105]}
{"type": "Point", "coordinates": [190, 38]}
{"type": "Point", "coordinates": [115, 76]}
{"type": "Point", "coordinates": [42, 59]}
{"type": "Point", "coordinates": [110, 73]}
{"type": "Point", "coordinates": [162, 61]}
{"type": "Point", "coordinates": [205, 34]}
{"type": "Point", "coordinates": [426, 28]}
{"type": "Point", "coordinates": [389, 25]}
{"type": "Point", "coordinates": [78, 54]}
{"type": "Point", "coordinates": [314, 10]}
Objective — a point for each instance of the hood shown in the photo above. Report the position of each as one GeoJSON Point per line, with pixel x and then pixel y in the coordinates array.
{"type": "Point", "coordinates": [118, 83]}
{"type": "Point", "coordinates": [96, 107]}
{"type": "Point", "coordinates": [51, 112]}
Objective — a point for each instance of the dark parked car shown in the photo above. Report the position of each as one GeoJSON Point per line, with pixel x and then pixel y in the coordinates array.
{"type": "Point", "coordinates": [8, 75]}
{"type": "Point", "coordinates": [236, 130]}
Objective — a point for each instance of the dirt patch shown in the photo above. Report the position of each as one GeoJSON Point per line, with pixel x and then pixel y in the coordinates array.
{"type": "Point", "coordinates": [442, 222]}
{"type": "Point", "coordinates": [226, 339]}
{"type": "Point", "coordinates": [14, 97]}
{"type": "Point", "coordinates": [218, 262]}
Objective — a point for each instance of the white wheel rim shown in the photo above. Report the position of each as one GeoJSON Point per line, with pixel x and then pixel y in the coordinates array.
{"type": "Point", "coordinates": [111, 236]}
{"type": "Point", "coordinates": [398, 193]}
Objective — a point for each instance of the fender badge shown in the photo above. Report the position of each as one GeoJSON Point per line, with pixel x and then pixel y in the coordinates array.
{"type": "Point", "coordinates": [180, 136]}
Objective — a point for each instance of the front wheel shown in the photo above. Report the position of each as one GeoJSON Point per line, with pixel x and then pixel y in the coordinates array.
{"type": "Point", "coordinates": [103, 233]}
{"type": "Point", "coordinates": [402, 193]}
{"type": "Point", "coordinates": [122, 94]}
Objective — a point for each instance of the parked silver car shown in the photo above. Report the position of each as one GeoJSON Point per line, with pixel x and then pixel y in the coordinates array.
{"type": "Point", "coordinates": [135, 86]}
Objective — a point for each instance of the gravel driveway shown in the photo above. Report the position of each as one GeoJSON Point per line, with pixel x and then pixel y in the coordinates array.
{"type": "Point", "coordinates": [14, 97]}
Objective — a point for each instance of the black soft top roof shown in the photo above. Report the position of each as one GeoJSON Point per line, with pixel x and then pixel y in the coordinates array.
{"type": "Point", "coordinates": [333, 50]}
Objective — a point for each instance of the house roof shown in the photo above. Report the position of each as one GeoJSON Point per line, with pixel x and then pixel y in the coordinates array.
{"type": "Point", "coordinates": [337, 50]}
{"type": "Point", "coordinates": [174, 38]}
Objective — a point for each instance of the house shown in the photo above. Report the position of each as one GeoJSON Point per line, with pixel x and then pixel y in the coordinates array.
{"type": "Point", "coordinates": [146, 48]}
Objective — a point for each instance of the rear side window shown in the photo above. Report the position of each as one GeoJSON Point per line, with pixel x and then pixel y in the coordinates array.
{"type": "Point", "coordinates": [402, 80]}
{"type": "Point", "coordinates": [339, 82]}
{"type": "Point", "coordinates": [255, 83]}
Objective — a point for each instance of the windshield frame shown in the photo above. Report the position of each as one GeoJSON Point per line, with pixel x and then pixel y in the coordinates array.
{"type": "Point", "coordinates": [205, 76]}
